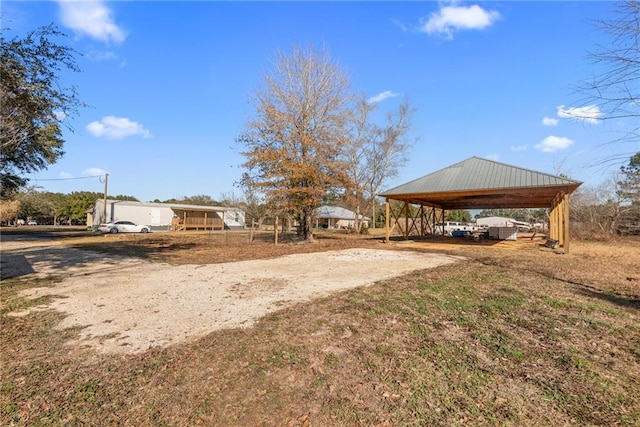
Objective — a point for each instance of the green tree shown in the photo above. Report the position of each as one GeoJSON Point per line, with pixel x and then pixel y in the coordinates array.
{"type": "Point", "coordinates": [124, 197]}
{"type": "Point", "coordinates": [45, 207]}
{"type": "Point", "coordinates": [55, 202]}
{"type": "Point", "coordinates": [293, 145]}
{"type": "Point", "coordinates": [629, 193]}
{"type": "Point", "coordinates": [28, 199]}
{"type": "Point", "coordinates": [459, 216]}
{"type": "Point", "coordinates": [34, 104]}
{"type": "Point", "coordinates": [77, 204]}
{"type": "Point", "coordinates": [201, 200]}
{"type": "Point", "coordinates": [630, 180]}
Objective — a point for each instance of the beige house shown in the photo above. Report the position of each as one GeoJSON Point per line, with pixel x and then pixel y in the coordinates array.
{"type": "Point", "coordinates": [338, 218]}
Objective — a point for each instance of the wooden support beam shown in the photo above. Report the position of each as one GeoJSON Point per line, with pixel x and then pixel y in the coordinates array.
{"type": "Point", "coordinates": [387, 230]}
{"type": "Point", "coordinates": [566, 223]}
{"type": "Point", "coordinates": [405, 232]}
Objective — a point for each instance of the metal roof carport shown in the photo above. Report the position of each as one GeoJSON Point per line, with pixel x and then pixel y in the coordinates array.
{"type": "Point", "coordinates": [478, 183]}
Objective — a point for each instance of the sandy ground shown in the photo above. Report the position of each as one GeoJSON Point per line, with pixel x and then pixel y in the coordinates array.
{"type": "Point", "coordinates": [127, 306]}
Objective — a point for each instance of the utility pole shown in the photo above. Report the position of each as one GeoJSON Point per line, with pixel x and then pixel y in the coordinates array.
{"type": "Point", "coordinates": [104, 217]}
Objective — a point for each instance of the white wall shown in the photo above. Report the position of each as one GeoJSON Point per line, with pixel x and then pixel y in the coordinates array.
{"type": "Point", "coordinates": [157, 216]}
{"type": "Point", "coordinates": [234, 218]}
{"type": "Point", "coordinates": [495, 221]}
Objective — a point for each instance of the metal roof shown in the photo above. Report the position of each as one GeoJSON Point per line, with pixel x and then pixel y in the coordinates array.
{"type": "Point", "coordinates": [478, 183]}
{"type": "Point", "coordinates": [176, 206]}
{"type": "Point", "coordinates": [336, 212]}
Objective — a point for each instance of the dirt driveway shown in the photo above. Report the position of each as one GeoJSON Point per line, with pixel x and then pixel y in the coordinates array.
{"type": "Point", "coordinates": [127, 305]}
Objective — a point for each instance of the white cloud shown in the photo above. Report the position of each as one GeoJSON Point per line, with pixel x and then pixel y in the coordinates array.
{"type": "Point", "coordinates": [65, 175]}
{"type": "Point", "coordinates": [94, 172]}
{"type": "Point", "coordinates": [381, 97]}
{"type": "Point", "coordinates": [493, 157]}
{"type": "Point", "coordinates": [549, 121]}
{"type": "Point", "coordinates": [552, 144]}
{"type": "Point", "coordinates": [519, 147]}
{"type": "Point", "coordinates": [449, 19]}
{"type": "Point", "coordinates": [100, 56]}
{"type": "Point", "coordinates": [91, 18]}
{"type": "Point", "coordinates": [404, 28]}
{"type": "Point", "coordinates": [589, 113]}
{"type": "Point", "coordinates": [112, 127]}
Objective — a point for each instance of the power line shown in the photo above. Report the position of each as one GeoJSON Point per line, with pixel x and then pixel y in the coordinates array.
{"type": "Point", "coordinates": [68, 179]}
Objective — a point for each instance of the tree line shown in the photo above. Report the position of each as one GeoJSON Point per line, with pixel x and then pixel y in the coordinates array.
{"type": "Point", "coordinates": [313, 139]}
{"type": "Point", "coordinates": [610, 208]}
{"type": "Point", "coordinates": [47, 207]}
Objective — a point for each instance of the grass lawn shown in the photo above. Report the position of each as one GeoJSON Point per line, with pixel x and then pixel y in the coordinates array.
{"type": "Point", "coordinates": [521, 336]}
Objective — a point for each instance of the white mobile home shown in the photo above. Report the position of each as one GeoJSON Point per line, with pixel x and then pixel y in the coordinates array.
{"type": "Point", "coordinates": [495, 221]}
{"type": "Point", "coordinates": [499, 221]}
{"type": "Point", "coordinates": [168, 216]}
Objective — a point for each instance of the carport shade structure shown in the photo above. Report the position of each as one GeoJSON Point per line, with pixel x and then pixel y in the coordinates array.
{"type": "Point", "coordinates": [478, 183]}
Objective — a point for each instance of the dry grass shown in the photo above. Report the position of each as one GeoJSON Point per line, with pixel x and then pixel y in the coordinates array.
{"type": "Point", "coordinates": [518, 335]}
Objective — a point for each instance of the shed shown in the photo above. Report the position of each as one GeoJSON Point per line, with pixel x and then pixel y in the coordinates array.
{"type": "Point", "coordinates": [338, 217]}
{"type": "Point", "coordinates": [478, 183]}
{"type": "Point", "coordinates": [169, 216]}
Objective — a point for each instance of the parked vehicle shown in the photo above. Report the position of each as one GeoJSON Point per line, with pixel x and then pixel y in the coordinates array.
{"type": "Point", "coordinates": [123, 227]}
{"type": "Point", "coordinates": [32, 222]}
{"type": "Point", "coordinates": [447, 228]}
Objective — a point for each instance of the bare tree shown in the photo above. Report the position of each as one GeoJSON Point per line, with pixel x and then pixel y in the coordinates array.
{"type": "Point", "coordinates": [292, 146]}
{"type": "Point", "coordinates": [374, 154]}
{"type": "Point", "coordinates": [595, 210]}
{"type": "Point", "coordinates": [355, 152]}
{"type": "Point", "coordinates": [9, 210]}
{"type": "Point", "coordinates": [231, 199]}
{"type": "Point", "coordinates": [614, 92]}
{"type": "Point", "coordinates": [387, 152]}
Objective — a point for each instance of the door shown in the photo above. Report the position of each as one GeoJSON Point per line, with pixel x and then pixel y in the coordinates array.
{"type": "Point", "coordinates": [155, 217]}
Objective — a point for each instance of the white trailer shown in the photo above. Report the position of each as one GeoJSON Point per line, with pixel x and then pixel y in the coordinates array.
{"type": "Point", "coordinates": [165, 216]}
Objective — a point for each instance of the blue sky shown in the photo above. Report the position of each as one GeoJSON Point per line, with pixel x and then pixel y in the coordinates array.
{"type": "Point", "coordinates": [168, 84]}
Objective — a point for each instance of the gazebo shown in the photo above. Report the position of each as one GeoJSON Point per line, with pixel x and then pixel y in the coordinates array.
{"type": "Point", "coordinates": [478, 183]}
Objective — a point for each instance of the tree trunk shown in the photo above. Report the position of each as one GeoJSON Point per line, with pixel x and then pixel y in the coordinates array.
{"type": "Point", "coordinates": [306, 231]}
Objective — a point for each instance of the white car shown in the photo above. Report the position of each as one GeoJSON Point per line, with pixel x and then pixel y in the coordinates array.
{"type": "Point", "coordinates": [123, 227]}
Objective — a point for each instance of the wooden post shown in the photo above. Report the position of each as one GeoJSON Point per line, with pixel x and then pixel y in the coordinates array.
{"type": "Point", "coordinates": [406, 221]}
{"type": "Point", "coordinates": [565, 226]}
{"type": "Point", "coordinates": [386, 221]}
{"type": "Point", "coordinates": [558, 221]}
{"type": "Point", "coordinates": [560, 218]}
